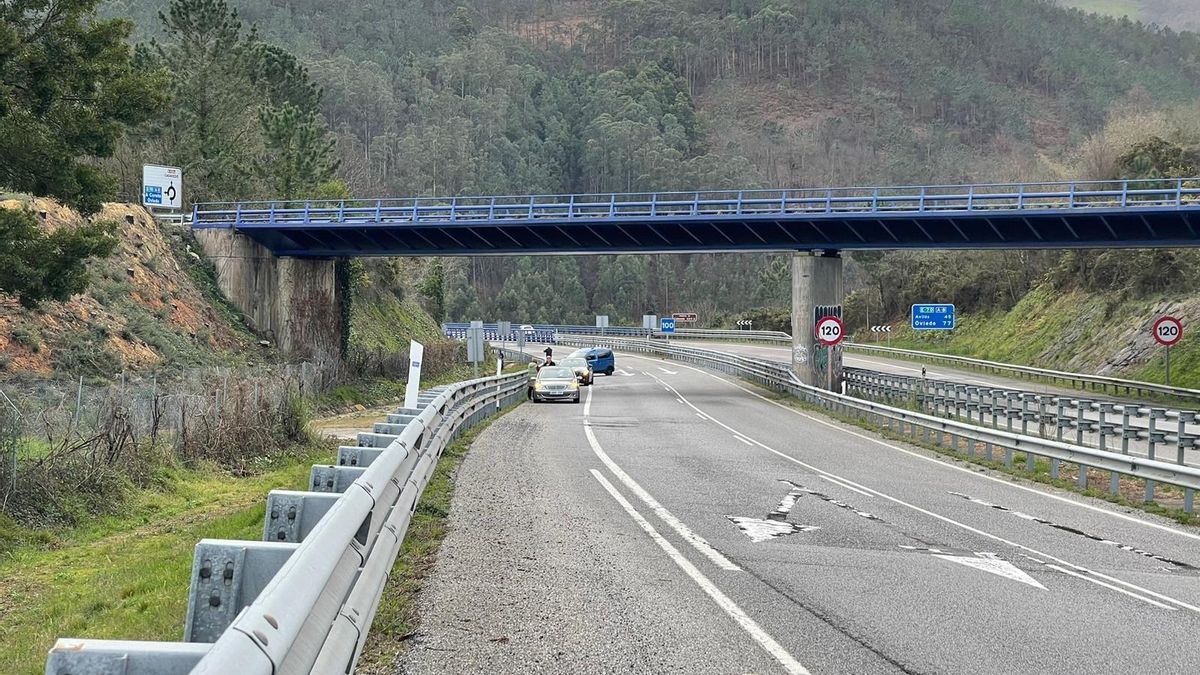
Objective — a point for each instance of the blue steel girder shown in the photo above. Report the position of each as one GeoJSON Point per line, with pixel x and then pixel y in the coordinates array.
{"type": "Point", "coordinates": [1076, 215]}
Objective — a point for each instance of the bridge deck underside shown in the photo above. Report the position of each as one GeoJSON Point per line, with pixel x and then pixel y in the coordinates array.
{"type": "Point", "coordinates": [1093, 228]}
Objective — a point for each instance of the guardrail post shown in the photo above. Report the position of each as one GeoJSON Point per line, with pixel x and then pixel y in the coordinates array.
{"type": "Point", "coordinates": [1154, 437]}
{"type": "Point", "coordinates": [1179, 193]}
{"type": "Point", "coordinates": [1059, 421]}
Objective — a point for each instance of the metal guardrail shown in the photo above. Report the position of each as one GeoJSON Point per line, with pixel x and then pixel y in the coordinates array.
{"type": "Point", "coordinates": [546, 332]}
{"type": "Point", "coordinates": [1093, 423]}
{"type": "Point", "coordinates": [1075, 380]}
{"type": "Point", "coordinates": [921, 426]}
{"type": "Point", "coordinates": [1010, 197]}
{"type": "Point", "coordinates": [1101, 383]}
{"type": "Point", "coordinates": [302, 600]}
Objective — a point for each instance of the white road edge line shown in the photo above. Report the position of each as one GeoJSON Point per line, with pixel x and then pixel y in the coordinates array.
{"type": "Point", "coordinates": [661, 511]}
{"type": "Point", "coordinates": [764, 639]}
{"type": "Point", "coordinates": [1111, 587]}
{"type": "Point", "coordinates": [848, 486]}
{"type": "Point", "coordinates": [947, 519]}
{"type": "Point", "coordinates": [743, 439]}
{"type": "Point", "coordinates": [967, 471]}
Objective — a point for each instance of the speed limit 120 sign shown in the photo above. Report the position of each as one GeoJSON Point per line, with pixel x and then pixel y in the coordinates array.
{"type": "Point", "coordinates": [1168, 330]}
{"type": "Point", "coordinates": [830, 331]}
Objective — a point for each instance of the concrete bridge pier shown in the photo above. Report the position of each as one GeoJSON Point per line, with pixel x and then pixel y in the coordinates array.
{"type": "Point", "coordinates": [816, 293]}
{"type": "Point", "coordinates": [293, 302]}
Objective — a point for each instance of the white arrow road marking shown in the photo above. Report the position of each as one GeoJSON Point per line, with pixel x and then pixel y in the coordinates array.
{"type": "Point", "coordinates": [623, 373]}
{"type": "Point", "coordinates": [788, 501]}
{"type": "Point", "coordinates": [764, 530]}
{"type": "Point", "coordinates": [989, 562]}
{"type": "Point", "coordinates": [762, 637]}
{"type": "Point", "coordinates": [669, 372]}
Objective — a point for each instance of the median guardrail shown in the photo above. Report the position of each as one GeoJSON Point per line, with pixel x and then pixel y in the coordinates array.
{"type": "Point", "coordinates": [1075, 380]}
{"type": "Point", "coordinates": [921, 426]}
{"type": "Point", "coordinates": [1129, 428]}
{"type": "Point", "coordinates": [302, 600]}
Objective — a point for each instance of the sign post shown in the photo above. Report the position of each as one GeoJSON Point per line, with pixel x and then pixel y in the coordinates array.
{"type": "Point", "coordinates": [830, 333]}
{"type": "Point", "coordinates": [649, 322]}
{"type": "Point", "coordinates": [416, 354]}
{"type": "Point", "coordinates": [1168, 331]}
{"type": "Point", "coordinates": [475, 345]}
{"type": "Point", "coordinates": [503, 328]}
{"type": "Point", "coordinates": [162, 186]}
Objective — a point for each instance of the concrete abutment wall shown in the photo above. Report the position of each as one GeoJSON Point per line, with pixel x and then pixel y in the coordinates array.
{"type": "Point", "coordinates": [293, 302]}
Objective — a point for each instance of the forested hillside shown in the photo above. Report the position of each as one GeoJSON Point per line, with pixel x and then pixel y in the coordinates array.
{"type": "Point", "coordinates": [518, 96]}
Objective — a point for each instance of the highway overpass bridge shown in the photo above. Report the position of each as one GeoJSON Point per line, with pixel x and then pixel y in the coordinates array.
{"type": "Point", "coordinates": [274, 259]}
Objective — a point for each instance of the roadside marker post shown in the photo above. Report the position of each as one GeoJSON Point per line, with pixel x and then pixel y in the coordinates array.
{"type": "Point", "coordinates": [1168, 331]}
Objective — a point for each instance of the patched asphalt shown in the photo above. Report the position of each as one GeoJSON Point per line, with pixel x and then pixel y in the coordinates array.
{"type": "Point", "coordinates": [543, 571]}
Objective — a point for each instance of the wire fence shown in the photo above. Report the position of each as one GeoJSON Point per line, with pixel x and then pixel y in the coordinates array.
{"type": "Point", "coordinates": [68, 445]}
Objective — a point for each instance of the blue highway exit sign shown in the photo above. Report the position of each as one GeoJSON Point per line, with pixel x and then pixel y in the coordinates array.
{"type": "Point", "coordinates": [933, 317]}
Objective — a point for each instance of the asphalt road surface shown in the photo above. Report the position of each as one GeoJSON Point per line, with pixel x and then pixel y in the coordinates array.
{"type": "Point", "coordinates": [679, 521]}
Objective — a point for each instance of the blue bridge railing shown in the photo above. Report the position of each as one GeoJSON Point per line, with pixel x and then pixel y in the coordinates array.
{"type": "Point", "coordinates": [1082, 213]}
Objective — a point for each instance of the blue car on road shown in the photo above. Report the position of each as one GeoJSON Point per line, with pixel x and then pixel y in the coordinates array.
{"type": "Point", "coordinates": [599, 358]}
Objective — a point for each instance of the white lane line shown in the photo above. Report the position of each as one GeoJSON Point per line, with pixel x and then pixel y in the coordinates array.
{"type": "Point", "coordinates": [1111, 587]}
{"type": "Point", "coordinates": [678, 400]}
{"type": "Point", "coordinates": [742, 439]}
{"type": "Point", "coordinates": [702, 416]}
{"type": "Point", "coordinates": [669, 372]}
{"type": "Point", "coordinates": [661, 511]}
{"type": "Point", "coordinates": [970, 472]}
{"type": "Point", "coordinates": [949, 520]}
{"type": "Point", "coordinates": [764, 639]}
{"type": "Point", "coordinates": [845, 485]}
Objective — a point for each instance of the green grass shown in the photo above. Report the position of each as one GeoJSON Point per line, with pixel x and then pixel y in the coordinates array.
{"type": "Point", "coordinates": [127, 576]}
{"type": "Point", "coordinates": [1117, 8]}
{"type": "Point", "coordinates": [386, 323]}
{"type": "Point", "coordinates": [396, 619]}
{"type": "Point", "coordinates": [1073, 332]}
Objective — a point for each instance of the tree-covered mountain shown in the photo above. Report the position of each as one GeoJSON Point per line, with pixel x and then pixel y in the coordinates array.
{"type": "Point", "coordinates": [519, 96]}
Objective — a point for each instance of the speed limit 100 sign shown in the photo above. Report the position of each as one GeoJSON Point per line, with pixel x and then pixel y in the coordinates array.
{"type": "Point", "coordinates": [830, 331]}
{"type": "Point", "coordinates": [1168, 330]}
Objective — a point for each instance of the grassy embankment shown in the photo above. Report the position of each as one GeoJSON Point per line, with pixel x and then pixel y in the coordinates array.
{"type": "Point", "coordinates": [1075, 332]}
{"type": "Point", "coordinates": [126, 576]}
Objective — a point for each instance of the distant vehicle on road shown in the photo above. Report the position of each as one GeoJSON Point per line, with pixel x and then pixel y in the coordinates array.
{"type": "Point", "coordinates": [600, 359]}
{"type": "Point", "coordinates": [556, 383]}
{"type": "Point", "coordinates": [527, 330]}
{"type": "Point", "coordinates": [583, 370]}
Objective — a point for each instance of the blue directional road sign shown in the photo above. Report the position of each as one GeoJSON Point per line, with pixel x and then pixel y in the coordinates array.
{"type": "Point", "coordinates": [667, 326]}
{"type": "Point", "coordinates": [933, 317]}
